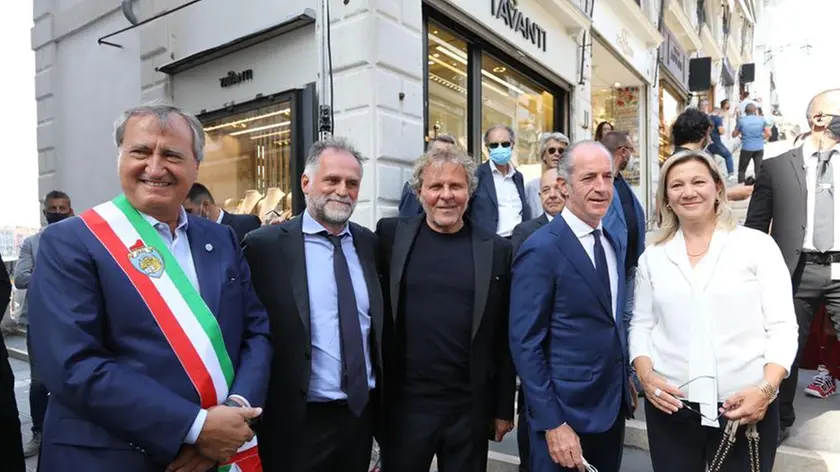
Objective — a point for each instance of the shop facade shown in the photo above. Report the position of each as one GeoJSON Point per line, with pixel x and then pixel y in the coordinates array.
{"type": "Point", "coordinates": [401, 72]}
{"type": "Point", "coordinates": [673, 89]}
{"type": "Point", "coordinates": [622, 88]}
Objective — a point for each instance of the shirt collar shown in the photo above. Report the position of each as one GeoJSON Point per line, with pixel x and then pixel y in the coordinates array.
{"type": "Point", "coordinates": [312, 227]}
{"type": "Point", "coordinates": [183, 221]}
{"type": "Point", "coordinates": [221, 216]}
{"type": "Point", "coordinates": [548, 217]}
{"type": "Point", "coordinates": [809, 149]}
{"type": "Point", "coordinates": [577, 225]}
{"type": "Point", "coordinates": [495, 169]}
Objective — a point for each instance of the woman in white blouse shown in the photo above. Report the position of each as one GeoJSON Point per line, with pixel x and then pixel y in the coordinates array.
{"type": "Point", "coordinates": [713, 331]}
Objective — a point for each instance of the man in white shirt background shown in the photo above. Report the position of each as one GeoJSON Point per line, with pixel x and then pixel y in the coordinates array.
{"type": "Point", "coordinates": [795, 201]}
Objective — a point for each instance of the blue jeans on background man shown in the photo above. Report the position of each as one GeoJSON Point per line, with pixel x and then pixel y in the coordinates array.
{"type": "Point", "coordinates": [721, 150]}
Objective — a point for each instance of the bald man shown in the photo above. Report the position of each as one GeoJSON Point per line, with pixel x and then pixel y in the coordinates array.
{"type": "Point", "coordinates": [795, 195]}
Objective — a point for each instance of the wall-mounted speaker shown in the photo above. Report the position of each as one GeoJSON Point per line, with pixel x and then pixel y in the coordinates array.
{"type": "Point", "coordinates": [700, 74]}
{"type": "Point", "coordinates": [747, 73]}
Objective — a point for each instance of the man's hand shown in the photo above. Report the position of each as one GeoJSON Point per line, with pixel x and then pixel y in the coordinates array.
{"type": "Point", "coordinates": [502, 427]}
{"type": "Point", "coordinates": [190, 460]}
{"type": "Point", "coordinates": [564, 447]}
{"type": "Point", "coordinates": [634, 394]}
{"type": "Point", "coordinates": [225, 430]}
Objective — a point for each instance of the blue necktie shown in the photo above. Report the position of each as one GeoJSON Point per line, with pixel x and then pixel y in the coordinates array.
{"type": "Point", "coordinates": [354, 378]}
{"type": "Point", "coordinates": [601, 264]}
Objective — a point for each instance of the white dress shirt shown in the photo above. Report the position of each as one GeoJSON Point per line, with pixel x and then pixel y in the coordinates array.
{"type": "Point", "coordinates": [719, 322]}
{"type": "Point", "coordinates": [584, 234]}
{"type": "Point", "coordinates": [809, 153]}
{"type": "Point", "coordinates": [179, 246]}
{"type": "Point", "coordinates": [221, 215]}
{"type": "Point", "coordinates": [510, 206]}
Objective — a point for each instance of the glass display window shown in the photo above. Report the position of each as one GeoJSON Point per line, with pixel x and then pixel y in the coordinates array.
{"type": "Point", "coordinates": [248, 161]}
{"type": "Point", "coordinates": [447, 82]}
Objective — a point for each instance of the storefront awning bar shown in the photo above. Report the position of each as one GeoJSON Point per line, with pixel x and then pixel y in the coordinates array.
{"type": "Point", "coordinates": [307, 17]}
{"type": "Point", "coordinates": [129, 15]}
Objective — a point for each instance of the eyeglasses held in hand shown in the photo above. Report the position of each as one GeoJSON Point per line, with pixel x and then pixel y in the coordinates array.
{"type": "Point", "coordinates": [685, 405]}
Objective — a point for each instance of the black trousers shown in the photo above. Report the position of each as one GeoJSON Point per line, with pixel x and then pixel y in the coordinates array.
{"type": "Point", "coordinates": [38, 395]}
{"type": "Point", "coordinates": [416, 437]}
{"type": "Point", "coordinates": [11, 442]}
{"type": "Point", "coordinates": [523, 440]}
{"type": "Point", "coordinates": [679, 442]}
{"type": "Point", "coordinates": [813, 287]}
{"type": "Point", "coordinates": [334, 439]}
{"type": "Point", "coordinates": [746, 156]}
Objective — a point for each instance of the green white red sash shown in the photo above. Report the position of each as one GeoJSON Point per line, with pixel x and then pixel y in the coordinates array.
{"type": "Point", "coordinates": [182, 315]}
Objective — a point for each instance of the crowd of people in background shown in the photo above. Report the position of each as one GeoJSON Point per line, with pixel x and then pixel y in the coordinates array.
{"type": "Point", "coordinates": [170, 334]}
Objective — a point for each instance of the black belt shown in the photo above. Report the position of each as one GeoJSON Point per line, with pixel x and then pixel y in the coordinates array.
{"type": "Point", "coordinates": [822, 258]}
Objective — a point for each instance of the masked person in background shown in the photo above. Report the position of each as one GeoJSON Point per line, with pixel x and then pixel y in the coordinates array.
{"type": "Point", "coordinates": [795, 201]}
{"type": "Point", "coordinates": [499, 202]}
{"type": "Point", "coordinates": [57, 207]}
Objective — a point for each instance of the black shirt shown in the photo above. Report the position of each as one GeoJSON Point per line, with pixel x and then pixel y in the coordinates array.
{"type": "Point", "coordinates": [438, 291]}
{"type": "Point", "coordinates": [625, 194]}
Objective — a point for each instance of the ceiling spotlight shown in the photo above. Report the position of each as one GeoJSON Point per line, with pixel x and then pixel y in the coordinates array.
{"type": "Point", "coordinates": [617, 85]}
{"type": "Point", "coordinates": [499, 69]}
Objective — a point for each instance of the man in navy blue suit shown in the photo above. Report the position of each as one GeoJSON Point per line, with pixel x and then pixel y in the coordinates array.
{"type": "Point", "coordinates": [566, 330]}
{"type": "Point", "coordinates": [152, 342]}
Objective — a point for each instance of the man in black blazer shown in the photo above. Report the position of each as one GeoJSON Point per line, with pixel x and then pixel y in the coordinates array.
{"type": "Point", "coordinates": [552, 204]}
{"type": "Point", "coordinates": [788, 202]}
{"type": "Point", "coordinates": [11, 445]}
{"type": "Point", "coordinates": [200, 202]}
{"type": "Point", "coordinates": [447, 283]}
{"type": "Point", "coordinates": [317, 276]}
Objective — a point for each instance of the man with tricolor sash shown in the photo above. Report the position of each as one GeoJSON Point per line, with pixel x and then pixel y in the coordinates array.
{"type": "Point", "coordinates": [154, 345]}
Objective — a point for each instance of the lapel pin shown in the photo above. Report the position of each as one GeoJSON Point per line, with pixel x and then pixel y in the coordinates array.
{"type": "Point", "coordinates": [208, 247]}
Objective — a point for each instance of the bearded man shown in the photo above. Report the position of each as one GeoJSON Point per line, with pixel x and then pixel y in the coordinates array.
{"type": "Point", "coordinates": [318, 278]}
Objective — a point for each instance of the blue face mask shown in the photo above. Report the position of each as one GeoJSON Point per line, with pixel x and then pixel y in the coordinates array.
{"type": "Point", "coordinates": [500, 155]}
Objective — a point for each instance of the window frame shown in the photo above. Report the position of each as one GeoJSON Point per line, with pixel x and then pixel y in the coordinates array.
{"type": "Point", "coordinates": [476, 47]}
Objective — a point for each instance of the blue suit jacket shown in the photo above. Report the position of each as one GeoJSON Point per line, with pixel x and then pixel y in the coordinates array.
{"type": "Point", "coordinates": [484, 205]}
{"type": "Point", "coordinates": [616, 220]}
{"type": "Point", "coordinates": [119, 398]}
{"type": "Point", "coordinates": [569, 350]}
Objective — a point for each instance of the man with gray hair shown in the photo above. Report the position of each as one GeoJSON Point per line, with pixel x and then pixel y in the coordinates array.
{"type": "Point", "coordinates": [150, 338]}
{"type": "Point", "coordinates": [567, 335]}
{"type": "Point", "coordinates": [499, 202]}
{"type": "Point", "coordinates": [318, 277]}
{"type": "Point", "coordinates": [450, 377]}
{"type": "Point", "coordinates": [552, 147]}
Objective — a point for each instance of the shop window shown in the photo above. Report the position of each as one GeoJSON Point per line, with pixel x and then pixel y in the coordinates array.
{"type": "Point", "coordinates": [462, 102]}
{"type": "Point", "coordinates": [248, 161]}
{"type": "Point", "coordinates": [447, 61]}
{"type": "Point", "coordinates": [510, 98]}
{"type": "Point", "coordinates": [623, 107]}
{"type": "Point", "coordinates": [670, 108]}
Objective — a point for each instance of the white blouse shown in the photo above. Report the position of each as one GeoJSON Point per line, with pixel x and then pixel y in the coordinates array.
{"type": "Point", "coordinates": [719, 322]}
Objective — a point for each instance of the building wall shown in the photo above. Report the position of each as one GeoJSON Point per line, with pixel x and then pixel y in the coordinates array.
{"type": "Point", "coordinates": [377, 48]}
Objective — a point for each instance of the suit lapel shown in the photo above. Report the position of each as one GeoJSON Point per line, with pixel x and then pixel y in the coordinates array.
{"type": "Point", "coordinates": [569, 243]}
{"type": "Point", "coordinates": [798, 162]}
{"type": "Point", "coordinates": [368, 262]}
{"type": "Point", "coordinates": [542, 221]}
{"type": "Point", "coordinates": [489, 184]}
{"type": "Point", "coordinates": [207, 265]}
{"type": "Point", "coordinates": [291, 243]}
{"type": "Point", "coordinates": [482, 249]}
{"type": "Point", "coordinates": [404, 237]}
{"type": "Point", "coordinates": [615, 204]}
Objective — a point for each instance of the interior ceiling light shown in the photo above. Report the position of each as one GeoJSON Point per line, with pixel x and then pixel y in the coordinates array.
{"type": "Point", "coordinates": [499, 69]}
{"type": "Point", "coordinates": [261, 128]}
{"type": "Point", "coordinates": [617, 85]}
{"type": "Point", "coordinates": [241, 123]}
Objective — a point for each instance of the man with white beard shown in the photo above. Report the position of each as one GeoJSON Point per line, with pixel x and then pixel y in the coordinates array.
{"type": "Point", "coordinates": [317, 277]}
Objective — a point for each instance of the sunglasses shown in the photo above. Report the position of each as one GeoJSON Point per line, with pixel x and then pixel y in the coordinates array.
{"type": "Point", "coordinates": [555, 150]}
{"type": "Point", "coordinates": [504, 144]}
{"type": "Point", "coordinates": [685, 405]}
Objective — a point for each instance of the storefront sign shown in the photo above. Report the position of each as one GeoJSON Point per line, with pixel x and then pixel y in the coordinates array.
{"type": "Point", "coordinates": [508, 11]}
{"type": "Point", "coordinates": [233, 78]}
{"type": "Point", "coordinates": [622, 40]}
{"type": "Point", "coordinates": [674, 58]}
